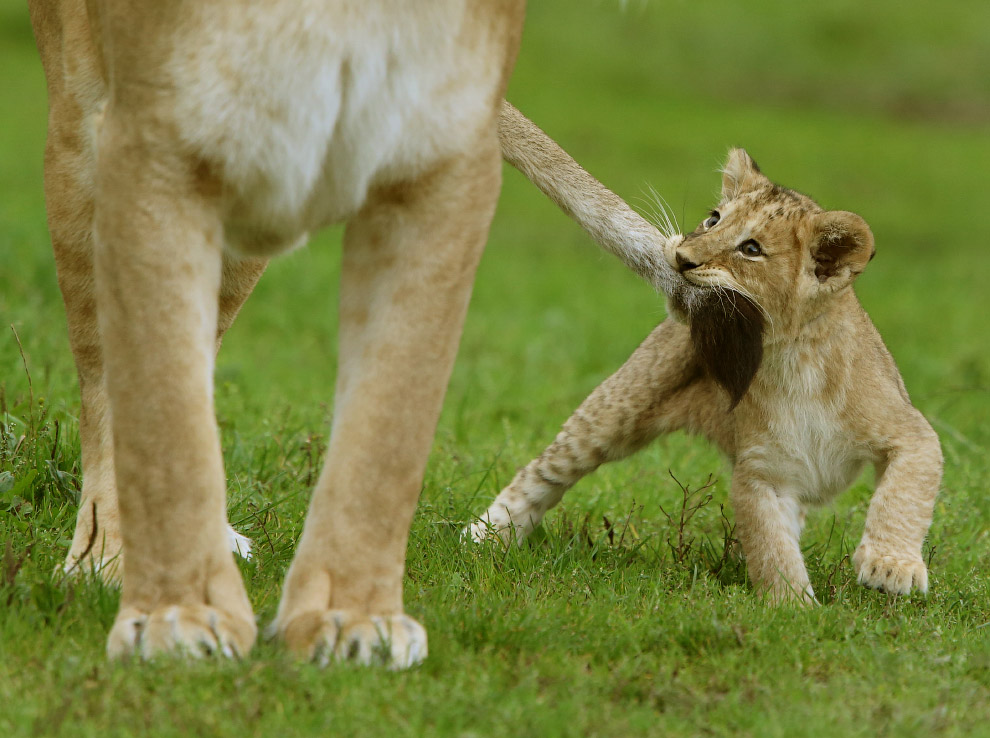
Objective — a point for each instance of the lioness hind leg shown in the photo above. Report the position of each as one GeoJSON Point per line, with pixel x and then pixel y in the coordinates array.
{"type": "Point", "coordinates": [158, 272]}
{"type": "Point", "coordinates": [408, 265]}
{"type": "Point", "coordinates": [69, 194]}
{"type": "Point", "coordinates": [96, 543]}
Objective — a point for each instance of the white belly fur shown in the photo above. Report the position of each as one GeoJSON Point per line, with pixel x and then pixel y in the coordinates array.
{"type": "Point", "coordinates": [302, 109]}
{"type": "Point", "coordinates": [804, 451]}
{"type": "Point", "coordinates": [807, 456]}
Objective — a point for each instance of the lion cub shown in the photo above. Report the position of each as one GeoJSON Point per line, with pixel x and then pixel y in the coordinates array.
{"type": "Point", "coordinates": [769, 355]}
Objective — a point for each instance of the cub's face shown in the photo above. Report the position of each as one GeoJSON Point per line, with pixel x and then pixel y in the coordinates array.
{"type": "Point", "coordinates": [761, 265]}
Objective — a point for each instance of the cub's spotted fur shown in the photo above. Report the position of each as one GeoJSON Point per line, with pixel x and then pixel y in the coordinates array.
{"type": "Point", "coordinates": [769, 355]}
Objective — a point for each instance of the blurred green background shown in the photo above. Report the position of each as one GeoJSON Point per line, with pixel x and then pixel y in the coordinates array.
{"type": "Point", "coordinates": [882, 108]}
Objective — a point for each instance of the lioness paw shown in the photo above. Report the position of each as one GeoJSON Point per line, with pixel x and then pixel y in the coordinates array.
{"type": "Point", "coordinates": [393, 641]}
{"type": "Point", "coordinates": [196, 630]}
{"type": "Point", "coordinates": [239, 543]}
{"type": "Point", "coordinates": [106, 567]}
{"type": "Point", "coordinates": [894, 574]}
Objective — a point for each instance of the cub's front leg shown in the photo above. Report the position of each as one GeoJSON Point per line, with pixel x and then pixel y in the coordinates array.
{"type": "Point", "coordinates": [652, 393]}
{"type": "Point", "coordinates": [768, 525]}
{"type": "Point", "coordinates": [908, 477]}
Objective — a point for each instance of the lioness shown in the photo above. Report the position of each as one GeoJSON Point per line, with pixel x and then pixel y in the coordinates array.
{"type": "Point", "coordinates": [188, 143]}
{"type": "Point", "coordinates": [769, 355]}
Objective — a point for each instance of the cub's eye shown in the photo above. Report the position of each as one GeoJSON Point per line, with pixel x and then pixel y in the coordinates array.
{"type": "Point", "coordinates": [711, 220]}
{"type": "Point", "coordinates": [750, 248]}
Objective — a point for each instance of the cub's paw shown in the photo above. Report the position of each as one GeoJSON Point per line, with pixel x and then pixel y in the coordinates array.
{"type": "Point", "coordinates": [783, 594]}
{"type": "Point", "coordinates": [393, 641]}
{"type": "Point", "coordinates": [189, 630]}
{"type": "Point", "coordinates": [483, 530]}
{"type": "Point", "coordinates": [498, 524]}
{"type": "Point", "coordinates": [894, 574]}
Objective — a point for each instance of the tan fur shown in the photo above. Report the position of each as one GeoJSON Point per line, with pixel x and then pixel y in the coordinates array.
{"type": "Point", "coordinates": [610, 222]}
{"type": "Point", "coordinates": [826, 398]}
{"type": "Point", "coordinates": [189, 142]}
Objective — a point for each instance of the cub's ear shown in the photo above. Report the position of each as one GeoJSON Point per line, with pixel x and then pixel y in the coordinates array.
{"type": "Point", "coordinates": [740, 174]}
{"type": "Point", "coordinates": [841, 247]}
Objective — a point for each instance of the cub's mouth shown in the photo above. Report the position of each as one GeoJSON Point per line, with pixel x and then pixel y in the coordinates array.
{"type": "Point", "coordinates": [726, 331]}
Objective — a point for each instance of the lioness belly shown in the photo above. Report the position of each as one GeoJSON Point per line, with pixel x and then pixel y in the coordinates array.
{"type": "Point", "coordinates": [302, 107]}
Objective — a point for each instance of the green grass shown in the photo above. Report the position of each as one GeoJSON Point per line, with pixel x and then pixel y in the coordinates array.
{"type": "Point", "coordinates": [881, 108]}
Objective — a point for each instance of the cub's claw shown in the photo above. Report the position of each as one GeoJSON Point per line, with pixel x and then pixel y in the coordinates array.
{"type": "Point", "coordinates": [894, 574]}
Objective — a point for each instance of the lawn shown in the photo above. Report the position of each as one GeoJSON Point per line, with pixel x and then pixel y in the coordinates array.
{"type": "Point", "coordinates": [614, 621]}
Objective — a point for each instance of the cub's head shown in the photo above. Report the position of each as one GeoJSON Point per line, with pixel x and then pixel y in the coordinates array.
{"type": "Point", "coordinates": [763, 264]}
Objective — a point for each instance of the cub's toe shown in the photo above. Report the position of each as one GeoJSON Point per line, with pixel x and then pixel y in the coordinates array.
{"type": "Point", "coordinates": [891, 573]}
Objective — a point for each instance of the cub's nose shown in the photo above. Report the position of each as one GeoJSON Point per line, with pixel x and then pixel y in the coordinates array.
{"type": "Point", "coordinates": [683, 263]}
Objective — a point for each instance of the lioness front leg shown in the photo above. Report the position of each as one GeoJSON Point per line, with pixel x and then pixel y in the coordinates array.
{"type": "Point", "coordinates": [889, 555]}
{"type": "Point", "coordinates": [96, 543]}
{"type": "Point", "coordinates": [158, 271]}
{"type": "Point", "coordinates": [408, 265]}
{"type": "Point", "coordinates": [70, 162]}
{"type": "Point", "coordinates": [651, 394]}
{"type": "Point", "coordinates": [768, 525]}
